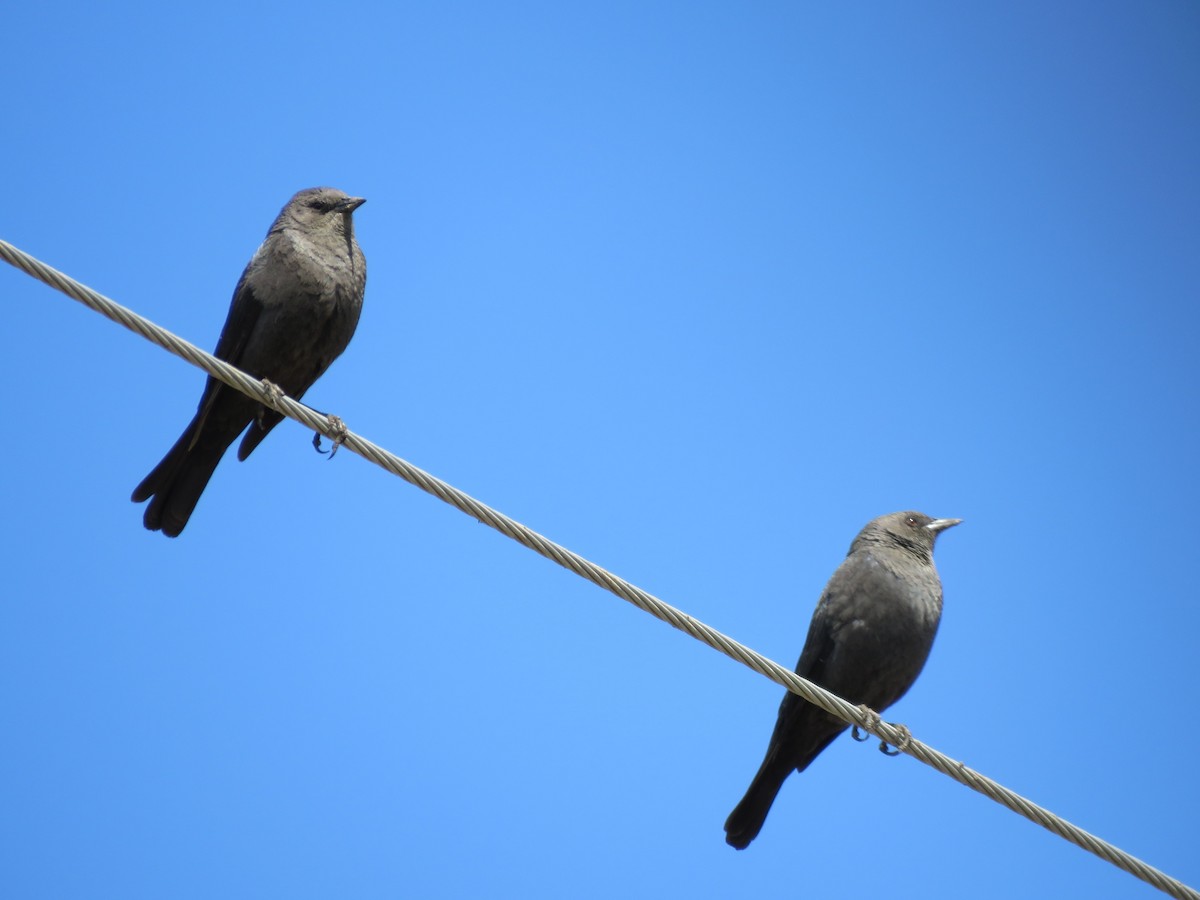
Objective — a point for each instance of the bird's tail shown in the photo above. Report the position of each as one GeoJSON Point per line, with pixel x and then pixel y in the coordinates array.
{"type": "Point", "coordinates": [175, 485]}
{"type": "Point", "coordinates": [746, 820]}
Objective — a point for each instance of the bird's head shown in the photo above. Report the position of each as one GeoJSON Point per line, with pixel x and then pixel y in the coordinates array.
{"type": "Point", "coordinates": [322, 208]}
{"type": "Point", "coordinates": [910, 530]}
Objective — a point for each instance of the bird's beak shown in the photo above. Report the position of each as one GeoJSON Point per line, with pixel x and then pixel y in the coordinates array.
{"type": "Point", "coordinates": [350, 205]}
{"type": "Point", "coordinates": [940, 525]}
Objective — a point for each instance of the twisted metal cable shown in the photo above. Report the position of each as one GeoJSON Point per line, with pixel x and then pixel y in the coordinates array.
{"type": "Point", "coordinates": [863, 718]}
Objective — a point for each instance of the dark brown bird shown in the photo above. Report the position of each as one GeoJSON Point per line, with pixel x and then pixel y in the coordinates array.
{"type": "Point", "coordinates": [294, 311]}
{"type": "Point", "coordinates": [869, 638]}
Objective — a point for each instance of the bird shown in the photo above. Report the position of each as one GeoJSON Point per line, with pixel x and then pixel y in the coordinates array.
{"type": "Point", "coordinates": [868, 640]}
{"type": "Point", "coordinates": [293, 312]}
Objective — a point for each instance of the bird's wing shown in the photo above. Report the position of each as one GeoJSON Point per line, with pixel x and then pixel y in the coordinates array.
{"type": "Point", "coordinates": [837, 613]}
{"type": "Point", "coordinates": [803, 730]}
{"type": "Point", "coordinates": [244, 312]}
{"type": "Point", "coordinates": [819, 644]}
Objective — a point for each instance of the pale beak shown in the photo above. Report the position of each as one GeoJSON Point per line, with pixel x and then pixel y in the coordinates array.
{"type": "Point", "coordinates": [940, 525]}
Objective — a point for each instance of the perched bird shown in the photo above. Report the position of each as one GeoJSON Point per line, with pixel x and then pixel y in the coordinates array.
{"type": "Point", "coordinates": [869, 638]}
{"type": "Point", "coordinates": [294, 311]}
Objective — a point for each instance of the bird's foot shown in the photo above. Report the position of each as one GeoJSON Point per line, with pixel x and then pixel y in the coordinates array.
{"type": "Point", "coordinates": [340, 433]}
{"type": "Point", "coordinates": [276, 394]}
{"type": "Point", "coordinates": [872, 722]}
{"type": "Point", "coordinates": [901, 745]}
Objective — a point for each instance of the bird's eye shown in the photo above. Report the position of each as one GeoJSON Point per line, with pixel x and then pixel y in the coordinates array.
{"type": "Point", "coordinates": [911, 521]}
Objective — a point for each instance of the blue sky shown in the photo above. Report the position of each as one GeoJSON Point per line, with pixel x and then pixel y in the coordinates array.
{"type": "Point", "coordinates": [693, 289]}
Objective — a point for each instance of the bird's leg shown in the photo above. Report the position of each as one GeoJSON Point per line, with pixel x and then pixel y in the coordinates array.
{"type": "Point", "coordinates": [340, 433]}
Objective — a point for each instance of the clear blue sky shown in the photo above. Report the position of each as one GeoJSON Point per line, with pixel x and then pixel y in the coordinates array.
{"type": "Point", "coordinates": [694, 289]}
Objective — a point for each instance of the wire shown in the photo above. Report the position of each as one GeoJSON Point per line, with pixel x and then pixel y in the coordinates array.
{"type": "Point", "coordinates": [332, 428]}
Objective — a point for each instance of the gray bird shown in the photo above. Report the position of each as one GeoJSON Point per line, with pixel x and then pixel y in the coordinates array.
{"type": "Point", "coordinates": [869, 638]}
{"type": "Point", "coordinates": [294, 311]}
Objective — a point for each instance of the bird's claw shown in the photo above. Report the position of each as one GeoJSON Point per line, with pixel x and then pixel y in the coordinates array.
{"type": "Point", "coordinates": [340, 433]}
